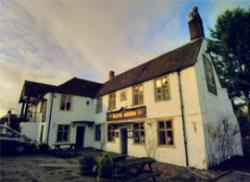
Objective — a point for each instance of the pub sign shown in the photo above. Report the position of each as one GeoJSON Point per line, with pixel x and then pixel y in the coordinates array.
{"type": "Point", "coordinates": [123, 113]}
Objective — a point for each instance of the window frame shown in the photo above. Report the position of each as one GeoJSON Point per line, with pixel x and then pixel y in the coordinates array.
{"type": "Point", "coordinates": [62, 133]}
{"type": "Point", "coordinates": [165, 130]}
{"type": "Point", "coordinates": [111, 101]}
{"type": "Point", "coordinates": [99, 105]}
{"type": "Point", "coordinates": [168, 95]}
{"type": "Point", "coordinates": [111, 133]}
{"type": "Point", "coordinates": [68, 100]}
{"type": "Point", "coordinates": [123, 95]}
{"type": "Point", "coordinates": [138, 94]}
{"type": "Point", "coordinates": [139, 130]}
{"type": "Point", "coordinates": [98, 132]}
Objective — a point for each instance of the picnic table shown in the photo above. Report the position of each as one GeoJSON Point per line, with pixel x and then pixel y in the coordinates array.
{"type": "Point", "coordinates": [135, 169]}
{"type": "Point", "coordinates": [63, 149]}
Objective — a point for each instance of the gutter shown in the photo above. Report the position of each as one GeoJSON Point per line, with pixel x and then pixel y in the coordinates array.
{"type": "Point", "coordinates": [183, 118]}
{"type": "Point", "coordinates": [50, 116]}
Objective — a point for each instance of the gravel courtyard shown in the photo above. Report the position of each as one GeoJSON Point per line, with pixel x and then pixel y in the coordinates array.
{"type": "Point", "coordinates": [45, 168]}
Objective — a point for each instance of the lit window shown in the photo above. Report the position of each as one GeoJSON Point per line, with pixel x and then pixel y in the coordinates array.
{"type": "Point", "coordinates": [123, 95]}
{"type": "Point", "coordinates": [162, 89]}
{"type": "Point", "coordinates": [62, 133]}
{"type": "Point", "coordinates": [111, 105]}
{"type": "Point", "coordinates": [65, 102]}
{"type": "Point", "coordinates": [111, 133]}
{"type": "Point", "coordinates": [97, 132]}
{"type": "Point", "coordinates": [165, 133]}
{"type": "Point", "coordinates": [43, 110]}
{"type": "Point", "coordinates": [139, 134]}
{"type": "Point", "coordinates": [99, 105]}
{"type": "Point", "coordinates": [138, 95]}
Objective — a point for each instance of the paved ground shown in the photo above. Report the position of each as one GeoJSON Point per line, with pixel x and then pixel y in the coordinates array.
{"type": "Point", "coordinates": [44, 168]}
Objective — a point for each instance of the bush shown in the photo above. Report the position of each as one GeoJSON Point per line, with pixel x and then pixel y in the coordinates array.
{"type": "Point", "coordinates": [87, 163]}
{"type": "Point", "coordinates": [105, 166]}
{"type": "Point", "coordinates": [44, 148]}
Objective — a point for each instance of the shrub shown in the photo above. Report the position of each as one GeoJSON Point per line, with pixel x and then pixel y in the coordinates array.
{"type": "Point", "coordinates": [87, 163]}
{"type": "Point", "coordinates": [105, 166]}
{"type": "Point", "coordinates": [44, 148]}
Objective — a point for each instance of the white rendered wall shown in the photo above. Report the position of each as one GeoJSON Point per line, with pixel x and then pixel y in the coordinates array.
{"type": "Point", "coordinates": [165, 110]}
{"type": "Point", "coordinates": [30, 129]}
{"type": "Point", "coordinates": [215, 109]}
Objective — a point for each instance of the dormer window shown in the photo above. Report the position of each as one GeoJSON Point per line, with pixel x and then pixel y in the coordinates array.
{"type": "Point", "coordinates": [66, 102]}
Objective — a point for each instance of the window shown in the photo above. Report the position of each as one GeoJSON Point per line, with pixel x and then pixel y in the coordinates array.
{"type": "Point", "coordinates": [123, 95]}
{"type": "Point", "coordinates": [65, 102]}
{"type": "Point", "coordinates": [97, 132]}
{"type": "Point", "coordinates": [162, 89]}
{"type": "Point", "coordinates": [165, 133]}
{"type": "Point", "coordinates": [111, 133]}
{"type": "Point", "coordinates": [99, 105]}
{"type": "Point", "coordinates": [62, 133]}
{"type": "Point", "coordinates": [111, 101]}
{"type": "Point", "coordinates": [138, 94]}
{"type": "Point", "coordinates": [139, 134]}
{"type": "Point", "coordinates": [43, 110]}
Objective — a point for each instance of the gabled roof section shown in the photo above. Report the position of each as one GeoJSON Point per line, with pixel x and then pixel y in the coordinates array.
{"type": "Point", "coordinates": [80, 87]}
{"type": "Point", "coordinates": [174, 60]}
{"type": "Point", "coordinates": [35, 89]}
{"type": "Point", "coordinates": [74, 86]}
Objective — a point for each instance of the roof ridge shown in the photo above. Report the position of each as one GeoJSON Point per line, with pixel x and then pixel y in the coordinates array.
{"type": "Point", "coordinates": [151, 60]}
{"type": "Point", "coordinates": [36, 82]}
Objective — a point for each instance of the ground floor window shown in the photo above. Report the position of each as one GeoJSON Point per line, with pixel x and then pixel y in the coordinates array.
{"type": "Point", "coordinates": [97, 132]}
{"type": "Point", "coordinates": [63, 133]}
{"type": "Point", "coordinates": [139, 134]}
{"type": "Point", "coordinates": [111, 133]}
{"type": "Point", "coordinates": [165, 133]}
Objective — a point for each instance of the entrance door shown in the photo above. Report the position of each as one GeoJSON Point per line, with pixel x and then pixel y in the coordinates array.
{"type": "Point", "coordinates": [124, 140]}
{"type": "Point", "coordinates": [80, 136]}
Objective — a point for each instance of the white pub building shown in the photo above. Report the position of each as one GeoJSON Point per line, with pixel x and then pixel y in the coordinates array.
{"type": "Point", "coordinates": [171, 108]}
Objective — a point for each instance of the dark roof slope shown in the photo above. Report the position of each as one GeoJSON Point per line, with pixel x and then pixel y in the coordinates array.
{"type": "Point", "coordinates": [34, 89]}
{"type": "Point", "coordinates": [179, 58]}
{"type": "Point", "coordinates": [81, 87]}
{"type": "Point", "coordinates": [74, 86]}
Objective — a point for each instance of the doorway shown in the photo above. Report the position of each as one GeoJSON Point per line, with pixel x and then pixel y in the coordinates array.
{"type": "Point", "coordinates": [124, 140]}
{"type": "Point", "coordinates": [80, 130]}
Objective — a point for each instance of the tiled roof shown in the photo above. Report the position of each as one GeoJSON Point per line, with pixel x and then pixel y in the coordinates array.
{"type": "Point", "coordinates": [81, 87]}
{"type": "Point", "coordinates": [179, 58]}
{"type": "Point", "coordinates": [74, 86]}
{"type": "Point", "coordinates": [34, 89]}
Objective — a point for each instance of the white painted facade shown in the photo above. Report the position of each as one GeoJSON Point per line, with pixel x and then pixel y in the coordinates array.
{"type": "Point", "coordinates": [204, 113]}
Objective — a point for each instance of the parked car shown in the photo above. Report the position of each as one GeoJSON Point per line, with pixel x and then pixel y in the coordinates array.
{"type": "Point", "coordinates": [13, 142]}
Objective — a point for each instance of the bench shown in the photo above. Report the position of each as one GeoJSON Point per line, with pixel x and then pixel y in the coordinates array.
{"type": "Point", "coordinates": [65, 149]}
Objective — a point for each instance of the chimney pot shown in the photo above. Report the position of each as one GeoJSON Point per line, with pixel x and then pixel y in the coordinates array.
{"type": "Point", "coordinates": [195, 24]}
{"type": "Point", "coordinates": [111, 74]}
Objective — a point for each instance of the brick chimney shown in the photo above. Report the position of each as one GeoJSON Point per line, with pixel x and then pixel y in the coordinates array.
{"type": "Point", "coordinates": [195, 24]}
{"type": "Point", "coordinates": [111, 75]}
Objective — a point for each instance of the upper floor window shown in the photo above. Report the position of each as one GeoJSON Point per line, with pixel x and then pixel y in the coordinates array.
{"type": "Point", "coordinates": [43, 110]}
{"type": "Point", "coordinates": [162, 88]}
{"type": "Point", "coordinates": [138, 95]}
{"type": "Point", "coordinates": [99, 105]}
{"type": "Point", "coordinates": [66, 102]}
{"type": "Point", "coordinates": [165, 133]}
{"type": "Point", "coordinates": [211, 84]}
{"type": "Point", "coordinates": [62, 133]}
{"type": "Point", "coordinates": [112, 98]}
{"type": "Point", "coordinates": [123, 95]}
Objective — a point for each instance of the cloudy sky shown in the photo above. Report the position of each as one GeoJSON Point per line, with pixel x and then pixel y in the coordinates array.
{"type": "Point", "coordinates": [52, 41]}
